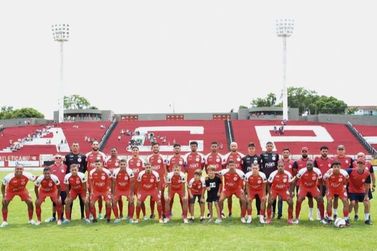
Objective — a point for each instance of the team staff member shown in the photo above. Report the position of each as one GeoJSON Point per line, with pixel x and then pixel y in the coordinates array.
{"type": "Point", "coordinates": [75, 157]}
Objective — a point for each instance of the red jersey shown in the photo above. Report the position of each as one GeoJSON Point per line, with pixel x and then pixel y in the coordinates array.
{"type": "Point", "coordinates": [59, 171]}
{"type": "Point", "coordinates": [214, 159]}
{"type": "Point", "coordinates": [174, 160]}
{"type": "Point", "coordinates": [288, 165]}
{"type": "Point", "coordinates": [345, 162]}
{"type": "Point", "coordinates": [236, 157]}
{"type": "Point", "coordinates": [47, 185]}
{"type": "Point", "coordinates": [177, 182]}
{"type": "Point", "coordinates": [148, 181]}
{"type": "Point", "coordinates": [136, 164]}
{"type": "Point", "coordinates": [92, 157]}
{"type": "Point", "coordinates": [255, 182]}
{"type": "Point", "coordinates": [193, 161]}
{"type": "Point", "coordinates": [112, 163]}
{"type": "Point", "coordinates": [279, 181]}
{"type": "Point", "coordinates": [158, 164]}
{"type": "Point", "coordinates": [336, 183]}
{"type": "Point", "coordinates": [323, 164]}
{"type": "Point", "coordinates": [122, 179]}
{"type": "Point", "coordinates": [358, 180]}
{"type": "Point", "coordinates": [233, 181]}
{"type": "Point", "coordinates": [197, 186]}
{"type": "Point", "coordinates": [300, 164]}
{"type": "Point", "coordinates": [100, 180]}
{"type": "Point", "coordinates": [15, 184]}
{"type": "Point", "coordinates": [76, 183]}
{"type": "Point", "coordinates": [309, 179]}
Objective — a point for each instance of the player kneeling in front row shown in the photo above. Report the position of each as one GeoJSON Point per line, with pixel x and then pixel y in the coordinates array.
{"type": "Point", "coordinates": [47, 185]}
{"type": "Point", "coordinates": [336, 180]}
{"type": "Point", "coordinates": [214, 187]}
{"type": "Point", "coordinates": [148, 184]}
{"type": "Point", "coordinates": [76, 185]}
{"type": "Point", "coordinates": [176, 182]}
{"type": "Point", "coordinates": [15, 184]}
{"type": "Point", "coordinates": [100, 188]}
{"type": "Point", "coordinates": [233, 183]}
{"type": "Point", "coordinates": [280, 186]}
{"type": "Point", "coordinates": [256, 187]}
{"type": "Point", "coordinates": [123, 185]}
{"type": "Point", "coordinates": [196, 189]}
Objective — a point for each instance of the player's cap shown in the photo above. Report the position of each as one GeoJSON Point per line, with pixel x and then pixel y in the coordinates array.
{"type": "Point", "coordinates": [341, 147]}
{"type": "Point", "coordinates": [304, 148]}
{"type": "Point", "coordinates": [251, 144]}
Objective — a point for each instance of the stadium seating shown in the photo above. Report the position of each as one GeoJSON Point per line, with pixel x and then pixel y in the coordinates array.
{"type": "Point", "coordinates": [369, 133]}
{"type": "Point", "coordinates": [16, 133]}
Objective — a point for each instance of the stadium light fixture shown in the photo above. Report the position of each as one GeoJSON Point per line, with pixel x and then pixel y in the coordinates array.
{"type": "Point", "coordinates": [61, 33]}
{"type": "Point", "coordinates": [284, 29]}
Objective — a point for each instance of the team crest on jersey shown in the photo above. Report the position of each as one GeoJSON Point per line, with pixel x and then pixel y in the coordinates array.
{"type": "Point", "coordinates": [273, 158]}
{"type": "Point", "coordinates": [22, 182]}
{"type": "Point", "coordinates": [238, 159]}
{"type": "Point", "coordinates": [62, 171]}
{"type": "Point", "coordinates": [50, 184]}
{"type": "Point", "coordinates": [98, 158]}
{"type": "Point", "coordinates": [347, 161]}
{"type": "Point", "coordinates": [285, 180]}
{"type": "Point", "coordinates": [217, 159]}
{"type": "Point", "coordinates": [235, 178]}
{"type": "Point", "coordinates": [363, 180]}
{"type": "Point", "coordinates": [259, 181]}
{"type": "Point", "coordinates": [152, 180]}
{"type": "Point", "coordinates": [314, 178]}
{"type": "Point", "coordinates": [125, 177]}
{"type": "Point", "coordinates": [340, 179]}
{"type": "Point", "coordinates": [103, 177]}
{"type": "Point", "coordinates": [180, 162]}
{"type": "Point", "coordinates": [197, 159]}
{"type": "Point", "coordinates": [137, 164]}
{"type": "Point", "coordinates": [159, 161]}
{"type": "Point", "coordinates": [290, 166]}
{"type": "Point", "coordinates": [77, 182]}
{"type": "Point", "coordinates": [117, 164]}
{"type": "Point", "coordinates": [79, 160]}
{"type": "Point", "coordinates": [329, 165]}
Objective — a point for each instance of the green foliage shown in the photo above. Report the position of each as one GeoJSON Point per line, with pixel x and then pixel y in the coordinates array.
{"type": "Point", "coordinates": [8, 112]}
{"type": "Point", "coordinates": [76, 102]}
{"type": "Point", "coordinates": [268, 101]}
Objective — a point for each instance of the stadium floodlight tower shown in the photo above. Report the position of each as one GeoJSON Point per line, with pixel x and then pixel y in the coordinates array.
{"type": "Point", "coordinates": [61, 34]}
{"type": "Point", "coordinates": [284, 29]}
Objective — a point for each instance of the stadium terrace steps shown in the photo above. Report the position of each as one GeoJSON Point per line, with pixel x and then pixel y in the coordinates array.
{"type": "Point", "coordinates": [13, 134]}
{"type": "Point", "coordinates": [369, 133]}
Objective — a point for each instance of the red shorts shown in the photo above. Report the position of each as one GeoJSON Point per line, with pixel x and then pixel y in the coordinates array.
{"type": "Point", "coordinates": [155, 195]}
{"type": "Point", "coordinates": [53, 196]}
{"type": "Point", "coordinates": [94, 196]}
{"type": "Point", "coordinates": [252, 194]}
{"type": "Point", "coordinates": [24, 195]}
{"type": "Point", "coordinates": [330, 194]}
{"type": "Point", "coordinates": [118, 194]}
{"type": "Point", "coordinates": [180, 194]}
{"type": "Point", "coordinates": [73, 194]}
{"type": "Point", "coordinates": [284, 194]}
{"type": "Point", "coordinates": [239, 193]}
{"type": "Point", "coordinates": [314, 192]}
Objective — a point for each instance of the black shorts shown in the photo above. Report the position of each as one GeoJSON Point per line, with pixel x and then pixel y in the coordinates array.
{"type": "Point", "coordinates": [63, 195]}
{"type": "Point", "coordinates": [356, 197]}
{"type": "Point", "coordinates": [212, 198]}
{"type": "Point", "coordinates": [192, 199]}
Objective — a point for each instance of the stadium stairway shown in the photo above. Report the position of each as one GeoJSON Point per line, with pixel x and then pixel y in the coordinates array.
{"type": "Point", "coordinates": [363, 139]}
{"type": "Point", "coordinates": [229, 132]}
{"type": "Point", "coordinates": [107, 134]}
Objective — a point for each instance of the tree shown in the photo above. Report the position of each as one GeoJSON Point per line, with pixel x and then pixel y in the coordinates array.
{"type": "Point", "coordinates": [268, 101]}
{"type": "Point", "coordinates": [7, 112]}
{"type": "Point", "coordinates": [76, 102]}
{"type": "Point", "coordinates": [303, 99]}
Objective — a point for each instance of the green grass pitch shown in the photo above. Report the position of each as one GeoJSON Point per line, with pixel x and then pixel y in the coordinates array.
{"type": "Point", "coordinates": [150, 235]}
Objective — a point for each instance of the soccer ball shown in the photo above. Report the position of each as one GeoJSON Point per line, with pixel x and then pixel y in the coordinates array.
{"type": "Point", "coordinates": [340, 223]}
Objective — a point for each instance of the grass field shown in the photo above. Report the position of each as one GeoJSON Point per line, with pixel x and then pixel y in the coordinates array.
{"type": "Point", "coordinates": [230, 235]}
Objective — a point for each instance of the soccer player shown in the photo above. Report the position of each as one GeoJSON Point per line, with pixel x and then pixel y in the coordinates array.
{"type": "Point", "coordinates": [75, 185]}
{"type": "Point", "coordinates": [123, 185]}
{"type": "Point", "coordinates": [280, 183]}
{"type": "Point", "coordinates": [251, 158]}
{"type": "Point", "coordinates": [59, 169]}
{"type": "Point", "coordinates": [75, 157]}
{"type": "Point", "coordinates": [233, 183]}
{"type": "Point", "coordinates": [91, 158]}
{"type": "Point", "coordinates": [268, 164]}
{"type": "Point", "coordinates": [297, 166]}
{"type": "Point", "coordinates": [255, 187]}
{"type": "Point", "coordinates": [159, 165]}
{"type": "Point", "coordinates": [193, 160]}
{"type": "Point", "coordinates": [236, 157]}
{"type": "Point", "coordinates": [214, 186]}
{"type": "Point", "coordinates": [359, 183]}
{"type": "Point", "coordinates": [176, 181]}
{"type": "Point", "coordinates": [336, 180]}
{"type": "Point", "coordinates": [288, 162]}
{"type": "Point", "coordinates": [15, 184]}
{"type": "Point", "coordinates": [148, 185]}
{"type": "Point", "coordinates": [48, 185]}
{"type": "Point", "coordinates": [111, 163]}
{"type": "Point", "coordinates": [309, 178]}
{"type": "Point", "coordinates": [214, 158]}
{"type": "Point", "coordinates": [136, 164]}
{"type": "Point", "coordinates": [196, 189]}
{"type": "Point", "coordinates": [100, 183]}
